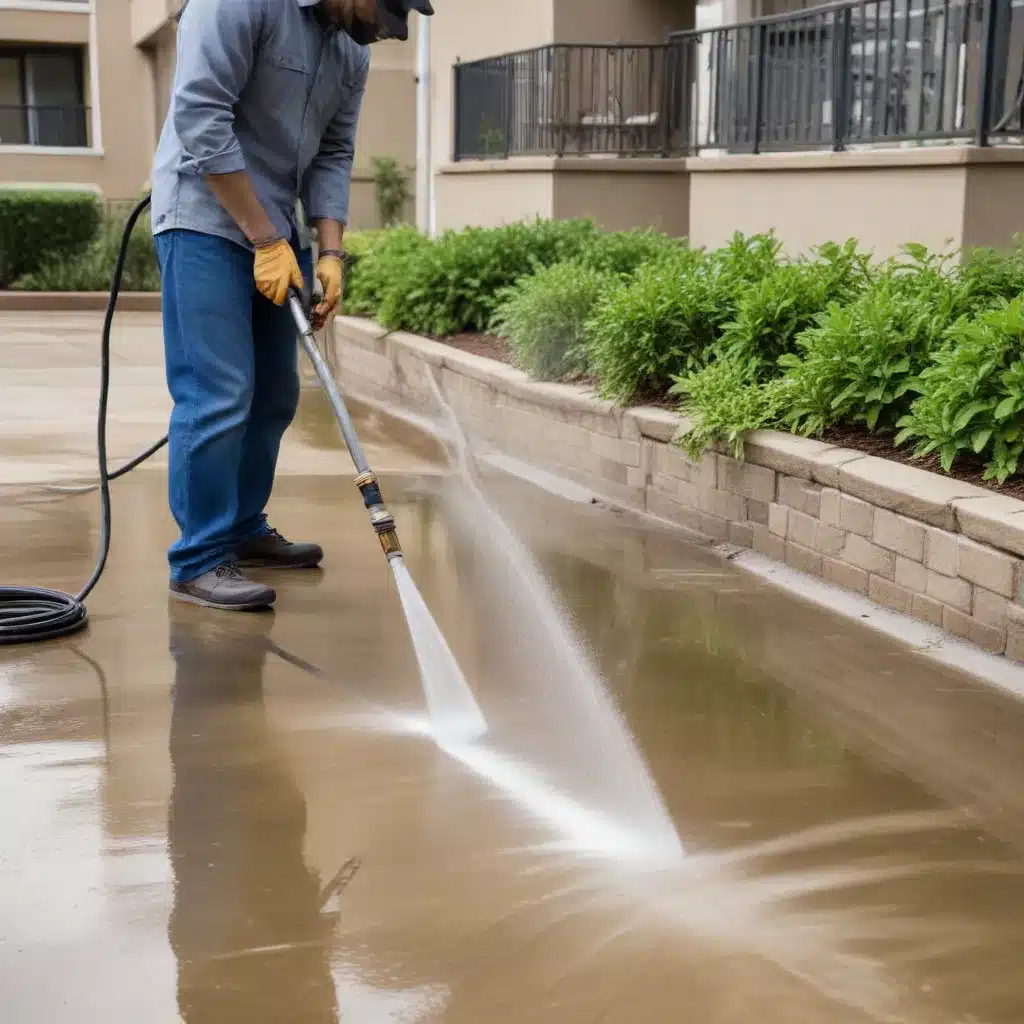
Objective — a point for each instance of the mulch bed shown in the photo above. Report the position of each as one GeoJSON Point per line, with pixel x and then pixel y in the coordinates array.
{"type": "Point", "coordinates": [486, 345]}
{"type": "Point", "coordinates": [970, 470]}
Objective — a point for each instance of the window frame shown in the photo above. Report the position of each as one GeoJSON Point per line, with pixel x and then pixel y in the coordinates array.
{"type": "Point", "coordinates": [23, 54]}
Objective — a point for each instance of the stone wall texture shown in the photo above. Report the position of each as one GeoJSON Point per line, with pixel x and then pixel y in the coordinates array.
{"type": "Point", "coordinates": [942, 551]}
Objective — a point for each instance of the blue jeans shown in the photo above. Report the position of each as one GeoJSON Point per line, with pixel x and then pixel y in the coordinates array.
{"type": "Point", "coordinates": [232, 372]}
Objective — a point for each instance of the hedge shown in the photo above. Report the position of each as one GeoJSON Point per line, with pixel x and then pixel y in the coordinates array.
{"type": "Point", "coordinates": [38, 226]}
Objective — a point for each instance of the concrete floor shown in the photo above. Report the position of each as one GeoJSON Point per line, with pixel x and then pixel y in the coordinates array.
{"type": "Point", "coordinates": [224, 819]}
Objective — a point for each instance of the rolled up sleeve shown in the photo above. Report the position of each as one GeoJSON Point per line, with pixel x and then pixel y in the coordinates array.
{"type": "Point", "coordinates": [216, 49]}
{"type": "Point", "coordinates": [328, 181]}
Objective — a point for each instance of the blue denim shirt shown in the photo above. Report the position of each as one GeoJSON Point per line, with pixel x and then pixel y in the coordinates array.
{"type": "Point", "coordinates": [259, 86]}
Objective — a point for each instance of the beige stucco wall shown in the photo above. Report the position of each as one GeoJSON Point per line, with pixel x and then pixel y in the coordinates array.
{"type": "Point", "coordinates": [622, 198]}
{"type": "Point", "coordinates": [883, 207]}
{"type": "Point", "coordinates": [994, 204]}
{"type": "Point", "coordinates": [618, 21]}
{"type": "Point", "coordinates": [487, 199]}
{"type": "Point", "coordinates": [44, 26]}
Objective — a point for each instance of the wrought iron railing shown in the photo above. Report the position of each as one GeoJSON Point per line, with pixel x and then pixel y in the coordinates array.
{"type": "Point", "coordinates": [561, 99]}
{"type": "Point", "coordinates": [848, 74]}
{"type": "Point", "coordinates": [26, 125]}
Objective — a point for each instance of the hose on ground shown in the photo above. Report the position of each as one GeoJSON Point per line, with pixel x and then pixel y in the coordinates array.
{"type": "Point", "coordinates": [30, 614]}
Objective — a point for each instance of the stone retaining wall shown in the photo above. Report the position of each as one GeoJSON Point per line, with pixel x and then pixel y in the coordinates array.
{"type": "Point", "coordinates": [942, 551]}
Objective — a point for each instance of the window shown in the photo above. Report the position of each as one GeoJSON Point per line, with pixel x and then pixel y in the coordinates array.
{"type": "Point", "coordinates": [42, 98]}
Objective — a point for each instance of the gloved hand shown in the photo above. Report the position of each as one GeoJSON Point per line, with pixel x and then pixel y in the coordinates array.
{"type": "Point", "coordinates": [275, 270]}
{"type": "Point", "coordinates": [331, 272]}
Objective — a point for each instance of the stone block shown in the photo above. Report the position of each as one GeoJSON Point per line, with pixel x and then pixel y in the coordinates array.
{"type": "Point", "coordinates": [785, 453]}
{"type": "Point", "coordinates": [990, 638]}
{"type": "Point", "coordinates": [688, 495]}
{"type": "Point", "coordinates": [778, 520]}
{"type": "Point", "coordinates": [831, 506]}
{"type": "Point", "coordinates": [912, 575]}
{"type": "Point", "coordinates": [657, 424]}
{"type": "Point", "coordinates": [897, 533]}
{"type": "Point", "coordinates": [890, 595]}
{"type": "Point", "coordinates": [986, 567]}
{"type": "Point", "coordinates": [768, 543]}
{"type": "Point", "coordinates": [942, 551]}
{"type": "Point", "coordinates": [714, 527]}
{"type": "Point", "coordinates": [803, 495]}
{"type": "Point", "coordinates": [741, 534]}
{"type": "Point", "coordinates": [803, 558]}
{"type": "Point", "coordinates": [802, 529]}
{"type": "Point", "coordinates": [856, 516]}
{"type": "Point", "coordinates": [722, 504]}
{"type": "Point", "coordinates": [745, 479]}
{"type": "Point", "coordinates": [1015, 642]}
{"type": "Point", "coordinates": [827, 465]}
{"type": "Point", "coordinates": [665, 484]}
{"type": "Point", "coordinates": [993, 519]}
{"type": "Point", "coordinates": [613, 471]}
{"type": "Point", "coordinates": [869, 557]}
{"type": "Point", "coordinates": [849, 577]}
{"type": "Point", "coordinates": [989, 608]}
{"type": "Point", "coordinates": [927, 608]}
{"type": "Point", "coordinates": [625, 452]}
{"type": "Point", "coordinates": [636, 476]}
{"type": "Point", "coordinates": [758, 511]}
{"type": "Point", "coordinates": [829, 540]}
{"type": "Point", "coordinates": [948, 590]}
{"type": "Point", "coordinates": [912, 492]}
{"type": "Point", "coordinates": [664, 507]}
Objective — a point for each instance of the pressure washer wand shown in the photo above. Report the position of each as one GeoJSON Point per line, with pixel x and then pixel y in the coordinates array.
{"type": "Point", "coordinates": [380, 518]}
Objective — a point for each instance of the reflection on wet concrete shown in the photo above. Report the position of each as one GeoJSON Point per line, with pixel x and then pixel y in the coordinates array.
{"type": "Point", "coordinates": [851, 813]}
{"type": "Point", "coordinates": [245, 925]}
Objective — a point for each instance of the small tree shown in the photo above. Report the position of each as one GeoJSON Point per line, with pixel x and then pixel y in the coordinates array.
{"type": "Point", "coordinates": [392, 184]}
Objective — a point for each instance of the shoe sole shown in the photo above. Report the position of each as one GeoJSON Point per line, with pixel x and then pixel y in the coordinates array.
{"type": "Point", "coordinates": [278, 565]}
{"type": "Point", "coordinates": [203, 603]}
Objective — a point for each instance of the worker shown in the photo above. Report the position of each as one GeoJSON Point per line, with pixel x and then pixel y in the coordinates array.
{"type": "Point", "coordinates": [263, 113]}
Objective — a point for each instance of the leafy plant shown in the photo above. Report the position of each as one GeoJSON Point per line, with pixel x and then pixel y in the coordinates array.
{"type": "Point", "coordinates": [391, 183]}
{"type": "Point", "coordinates": [544, 317]}
{"type": "Point", "coordinates": [972, 396]}
{"type": "Point", "coordinates": [40, 226]}
{"type": "Point", "coordinates": [724, 402]}
{"type": "Point", "coordinates": [773, 311]}
{"type": "Point", "coordinates": [624, 252]}
{"type": "Point", "coordinates": [382, 264]}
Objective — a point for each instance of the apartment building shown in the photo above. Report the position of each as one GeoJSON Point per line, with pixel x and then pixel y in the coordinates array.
{"type": "Point", "coordinates": [84, 88]}
{"type": "Point", "coordinates": [887, 120]}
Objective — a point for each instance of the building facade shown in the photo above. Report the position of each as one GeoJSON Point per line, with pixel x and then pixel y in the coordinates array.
{"type": "Point", "coordinates": [85, 84]}
{"type": "Point", "coordinates": [892, 121]}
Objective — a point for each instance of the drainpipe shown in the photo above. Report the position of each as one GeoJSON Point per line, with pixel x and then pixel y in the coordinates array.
{"type": "Point", "coordinates": [424, 171]}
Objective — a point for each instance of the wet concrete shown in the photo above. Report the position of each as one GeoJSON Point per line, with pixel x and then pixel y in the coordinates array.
{"type": "Point", "coordinates": [222, 819]}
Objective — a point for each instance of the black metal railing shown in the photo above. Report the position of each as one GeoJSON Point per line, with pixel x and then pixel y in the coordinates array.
{"type": "Point", "coordinates": [561, 99]}
{"type": "Point", "coordinates": [858, 73]}
{"type": "Point", "coordinates": [26, 125]}
{"type": "Point", "coordinates": [847, 74]}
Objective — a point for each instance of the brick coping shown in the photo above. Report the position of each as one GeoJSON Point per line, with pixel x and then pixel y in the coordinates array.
{"type": "Point", "coordinates": [49, 302]}
{"type": "Point", "coordinates": [940, 501]}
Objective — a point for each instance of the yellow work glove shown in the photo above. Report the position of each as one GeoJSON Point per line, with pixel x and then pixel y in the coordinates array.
{"type": "Point", "coordinates": [275, 270]}
{"type": "Point", "coordinates": [331, 272]}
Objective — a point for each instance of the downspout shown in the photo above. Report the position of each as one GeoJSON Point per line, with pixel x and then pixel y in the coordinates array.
{"type": "Point", "coordinates": [424, 172]}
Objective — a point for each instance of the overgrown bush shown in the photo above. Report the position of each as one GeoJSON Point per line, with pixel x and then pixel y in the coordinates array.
{"type": "Point", "coordinates": [624, 252]}
{"type": "Point", "coordinates": [544, 317]}
{"type": "Point", "coordinates": [454, 283]}
{"type": "Point", "coordinates": [381, 260]}
{"type": "Point", "coordinates": [92, 269]}
{"type": "Point", "coordinates": [972, 396]}
{"type": "Point", "coordinates": [37, 226]}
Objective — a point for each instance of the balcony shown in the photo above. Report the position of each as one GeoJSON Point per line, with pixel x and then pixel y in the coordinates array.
{"type": "Point", "coordinates": [59, 127]}
{"type": "Point", "coordinates": [854, 74]}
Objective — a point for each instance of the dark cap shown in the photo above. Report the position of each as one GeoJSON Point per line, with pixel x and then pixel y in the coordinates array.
{"type": "Point", "coordinates": [393, 16]}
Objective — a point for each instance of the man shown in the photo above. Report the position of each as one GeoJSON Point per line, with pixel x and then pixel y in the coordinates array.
{"type": "Point", "coordinates": [263, 113]}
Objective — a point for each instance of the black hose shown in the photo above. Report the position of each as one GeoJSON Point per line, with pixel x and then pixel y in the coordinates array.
{"type": "Point", "coordinates": [30, 614]}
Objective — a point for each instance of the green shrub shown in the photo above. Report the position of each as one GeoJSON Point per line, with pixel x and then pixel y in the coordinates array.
{"type": "Point", "coordinates": [624, 252]}
{"type": "Point", "coordinates": [381, 260]}
{"type": "Point", "coordinates": [544, 318]}
{"type": "Point", "coordinates": [92, 270]}
{"type": "Point", "coordinates": [36, 226]}
{"type": "Point", "coordinates": [972, 396]}
{"type": "Point", "coordinates": [725, 401]}
{"type": "Point", "coordinates": [773, 311]}
{"type": "Point", "coordinates": [986, 276]}
{"type": "Point", "coordinates": [453, 284]}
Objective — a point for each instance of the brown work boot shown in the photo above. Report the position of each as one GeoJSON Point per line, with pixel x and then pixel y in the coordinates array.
{"type": "Point", "coordinates": [272, 551]}
{"type": "Point", "coordinates": [224, 588]}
